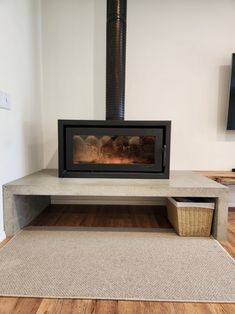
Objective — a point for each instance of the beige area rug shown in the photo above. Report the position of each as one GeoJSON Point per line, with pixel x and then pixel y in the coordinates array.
{"type": "Point", "coordinates": [59, 262]}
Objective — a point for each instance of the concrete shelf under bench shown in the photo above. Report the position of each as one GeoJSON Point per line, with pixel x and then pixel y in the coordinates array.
{"type": "Point", "coordinates": [25, 198]}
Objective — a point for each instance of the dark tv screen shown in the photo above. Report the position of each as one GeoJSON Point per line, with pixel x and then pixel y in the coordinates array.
{"type": "Point", "coordinates": [231, 109]}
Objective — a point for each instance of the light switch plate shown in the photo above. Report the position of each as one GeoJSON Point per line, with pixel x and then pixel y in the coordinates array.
{"type": "Point", "coordinates": [5, 101]}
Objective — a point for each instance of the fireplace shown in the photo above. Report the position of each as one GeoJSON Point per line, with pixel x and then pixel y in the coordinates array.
{"type": "Point", "coordinates": [114, 148]}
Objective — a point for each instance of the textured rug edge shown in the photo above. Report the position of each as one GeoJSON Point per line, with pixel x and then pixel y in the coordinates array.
{"type": "Point", "coordinates": [116, 299]}
{"type": "Point", "coordinates": [221, 246]}
{"type": "Point", "coordinates": [92, 229]}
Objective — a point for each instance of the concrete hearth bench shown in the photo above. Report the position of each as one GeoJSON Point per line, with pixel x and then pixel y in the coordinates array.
{"type": "Point", "coordinates": [25, 198]}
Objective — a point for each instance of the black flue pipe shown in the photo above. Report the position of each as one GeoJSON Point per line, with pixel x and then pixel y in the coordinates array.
{"type": "Point", "coordinates": [115, 59]}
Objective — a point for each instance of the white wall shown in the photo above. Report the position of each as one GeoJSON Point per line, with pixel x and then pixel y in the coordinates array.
{"type": "Point", "coordinates": [68, 48]}
{"type": "Point", "coordinates": [21, 128]}
{"type": "Point", "coordinates": [178, 68]}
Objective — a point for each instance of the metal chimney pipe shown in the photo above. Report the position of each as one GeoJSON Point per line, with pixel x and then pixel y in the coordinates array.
{"type": "Point", "coordinates": [115, 59]}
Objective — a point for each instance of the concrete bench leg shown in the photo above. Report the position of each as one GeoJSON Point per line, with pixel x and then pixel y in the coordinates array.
{"type": "Point", "coordinates": [220, 221]}
{"type": "Point", "coordinates": [20, 210]}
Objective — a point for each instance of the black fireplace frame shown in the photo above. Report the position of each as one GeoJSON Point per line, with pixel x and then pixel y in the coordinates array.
{"type": "Point", "coordinates": [156, 171]}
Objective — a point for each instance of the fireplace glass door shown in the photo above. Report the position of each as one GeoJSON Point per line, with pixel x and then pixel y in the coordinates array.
{"type": "Point", "coordinates": [113, 151]}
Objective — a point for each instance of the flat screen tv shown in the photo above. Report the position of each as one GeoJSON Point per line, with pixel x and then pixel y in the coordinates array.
{"type": "Point", "coordinates": [231, 109]}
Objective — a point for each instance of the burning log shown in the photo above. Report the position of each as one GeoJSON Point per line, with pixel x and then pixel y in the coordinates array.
{"type": "Point", "coordinates": [92, 149]}
{"type": "Point", "coordinates": [106, 149]}
{"type": "Point", "coordinates": [78, 148]}
{"type": "Point", "coordinates": [120, 145]}
{"type": "Point", "coordinates": [85, 151]}
{"type": "Point", "coordinates": [135, 141]}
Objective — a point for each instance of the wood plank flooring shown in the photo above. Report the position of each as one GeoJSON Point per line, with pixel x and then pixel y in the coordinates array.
{"type": "Point", "coordinates": [104, 216]}
{"type": "Point", "coordinates": [112, 216]}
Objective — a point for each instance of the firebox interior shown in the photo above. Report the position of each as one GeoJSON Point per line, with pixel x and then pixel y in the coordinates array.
{"type": "Point", "coordinates": [113, 149]}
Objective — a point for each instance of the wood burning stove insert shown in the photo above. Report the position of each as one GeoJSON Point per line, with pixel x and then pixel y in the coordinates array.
{"type": "Point", "coordinates": [114, 149]}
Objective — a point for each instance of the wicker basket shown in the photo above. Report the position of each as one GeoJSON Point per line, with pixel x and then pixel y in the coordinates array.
{"type": "Point", "coordinates": [190, 217]}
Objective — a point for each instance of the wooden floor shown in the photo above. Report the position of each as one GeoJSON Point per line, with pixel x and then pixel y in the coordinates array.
{"type": "Point", "coordinates": [104, 216]}
{"type": "Point", "coordinates": [112, 216]}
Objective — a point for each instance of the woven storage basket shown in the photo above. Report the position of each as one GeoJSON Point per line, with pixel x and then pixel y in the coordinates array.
{"type": "Point", "coordinates": [190, 218]}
